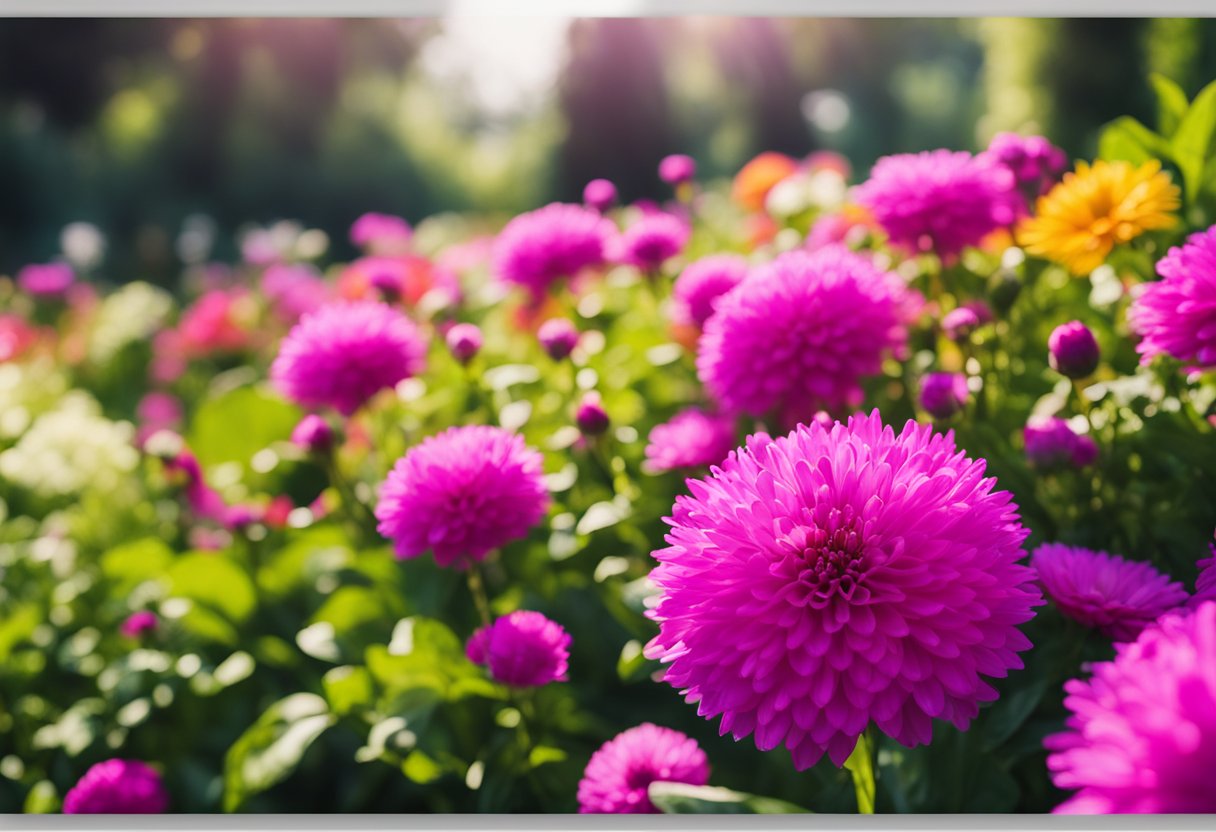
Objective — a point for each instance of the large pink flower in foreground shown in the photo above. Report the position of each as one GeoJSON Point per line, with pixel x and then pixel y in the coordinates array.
{"type": "Point", "coordinates": [1118, 597]}
{"type": "Point", "coordinates": [690, 439]}
{"type": "Point", "coordinates": [1177, 316]}
{"type": "Point", "coordinates": [461, 494]}
{"type": "Point", "coordinates": [801, 333]}
{"type": "Point", "coordinates": [940, 201]}
{"type": "Point", "coordinates": [117, 787]}
{"type": "Point", "coordinates": [1205, 584]}
{"type": "Point", "coordinates": [619, 774]}
{"type": "Point", "coordinates": [524, 649]}
{"type": "Point", "coordinates": [549, 244]}
{"type": "Point", "coordinates": [1141, 737]}
{"type": "Point", "coordinates": [837, 577]}
{"type": "Point", "coordinates": [342, 354]}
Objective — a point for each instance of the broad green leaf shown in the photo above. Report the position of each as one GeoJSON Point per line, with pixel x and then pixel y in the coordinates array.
{"type": "Point", "coordinates": [16, 626]}
{"type": "Point", "coordinates": [269, 751]}
{"type": "Point", "coordinates": [43, 799]}
{"type": "Point", "coordinates": [236, 425]}
{"type": "Point", "coordinates": [420, 768]}
{"type": "Point", "coordinates": [1171, 103]}
{"type": "Point", "coordinates": [214, 582]}
{"type": "Point", "coordinates": [1004, 718]}
{"type": "Point", "coordinates": [1192, 141]}
{"type": "Point", "coordinates": [309, 555]}
{"type": "Point", "coordinates": [347, 688]}
{"type": "Point", "coordinates": [130, 564]}
{"type": "Point", "coordinates": [1127, 140]}
{"type": "Point", "coordinates": [683, 799]}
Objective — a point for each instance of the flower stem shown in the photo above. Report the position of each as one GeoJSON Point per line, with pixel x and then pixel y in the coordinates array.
{"type": "Point", "coordinates": [477, 588]}
{"type": "Point", "coordinates": [861, 765]}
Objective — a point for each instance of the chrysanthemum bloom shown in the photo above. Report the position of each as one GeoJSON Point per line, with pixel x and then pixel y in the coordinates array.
{"type": "Point", "coordinates": [1118, 597]}
{"type": "Point", "coordinates": [652, 240]}
{"type": "Point", "coordinates": [1051, 443]}
{"type": "Point", "coordinates": [590, 415]}
{"type": "Point", "coordinates": [1141, 736]}
{"type": "Point", "coordinates": [558, 337]}
{"type": "Point", "coordinates": [618, 776]}
{"type": "Point", "coordinates": [313, 434]}
{"type": "Point", "coordinates": [837, 577]}
{"type": "Point", "coordinates": [464, 341]}
{"type": "Point", "coordinates": [343, 354]}
{"type": "Point", "coordinates": [958, 324]}
{"type": "Point", "coordinates": [524, 650]}
{"type": "Point", "coordinates": [677, 169]}
{"type": "Point", "coordinates": [139, 623]}
{"type": "Point", "coordinates": [690, 439]}
{"type": "Point", "coordinates": [801, 332]}
{"type": "Point", "coordinates": [599, 194]}
{"type": "Point", "coordinates": [405, 278]}
{"type": "Point", "coordinates": [461, 494]}
{"type": "Point", "coordinates": [701, 283]}
{"type": "Point", "coordinates": [294, 291]}
{"type": "Point", "coordinates": [46, 279]}
{"type": "Point", "coordinates": [939, 201]}
{"type": "Point", "coordinates": [539, 248]}
{"type": "Point", "coordinates": [1072, 350]}
{"type": "Point", "coordinates": [1205, 584]}
{"type": "Point", "coordinates": [1177, 316]}
{"type": "Point", "coordinates": [1080, 221]}
{"type": "Point", "coordinates": [381, 233]}
{"type": "Point", "coordinates": [117, 787]}
{"type": "Point", "coordinates": [755, 179]}
{"type": "Point", "coordinates": [1035, 163]}
{"type": "Point", "coordinates": [943, 394]}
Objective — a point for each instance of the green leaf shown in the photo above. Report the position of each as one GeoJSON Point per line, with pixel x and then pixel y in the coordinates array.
{"type": "Point", "coordinates": [1171, 103]}
{"type": "Point", "coordinates": [17, 626]}
{"type": "Point", "coordinates": [236, 425]}
{"type": "Point", "coordinates": [425, 655]}
{"type": "Point", "coordinates": [347, 688]}
{"type": "Point", "coordinates": [1005, 717]}
{"type": "Point", "coordinates": [1127, 140]}
{"type": "Point", "coordinates": [1192, 141]}
{"type": "Point", "coordinates": [269, 751]}
{"type": "Point", "coordinates": [43, 799]}
{"type": "Point", "coordinates": [683, 799]}
{"type": "Point", "coordinates": [420, 768]}
{"type": "Point", "coordinates": [542, 754]}
{"type": "Point", "coordinates": [131, 564]}
{"type": "Point", "coordinates": [217, 586]}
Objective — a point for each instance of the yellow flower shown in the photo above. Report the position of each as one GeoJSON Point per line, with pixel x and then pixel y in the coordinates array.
{"type": "Point", "coordinates": [1081, 219]}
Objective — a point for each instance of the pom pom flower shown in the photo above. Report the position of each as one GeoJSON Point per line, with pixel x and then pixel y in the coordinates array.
{"type": "Point", "coordinates": [539, 248]}
{"type": "Point", "coordinates": [1177, 316]}
{"type": "Point", "coordinates": [462, 494]}
{"type": "Point", "coordinates": [837, 577]}
{"type": "Point", "coordinates": [1141, 734]}
{"type": "Point", "coordinates": [943, 394]}
{"type": "Point", "coordinates": [524, 649]}
{"type": "Point", "coordinates": [117, 787]}
{"type": "Point", "coordinates": [1051, 444]}
{"type": "Point", "coordinates": [618, 776]}
{"type": "Point", "coordinates": [1118, 597]}
{"type": "Point", "coordinates": [343, 354]}
{"type": "Point", "coordinates": [652, 240]}
{"type": "Point", "coordinates": [801, 333]}
{"type": "Point", "coordinates": [690, 439]}
{"type": "Point", "coordinates": [698, 288]}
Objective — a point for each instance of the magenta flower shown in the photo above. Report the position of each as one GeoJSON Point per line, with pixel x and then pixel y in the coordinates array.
{"type": "Point", "coordinates": [139, 623]}
{"type": "Point", "coordinates": [599, 194]}
{"type": "Point", "coordinates": [837, 577]}
{"type": "Point", "coordinates": [46, 279]}
{"type": "Point", "coordinates": [313, 434]}
{"type": "Point", "coordinates": [117, 787]}
{"type": "Point", "coordinates": [558, 337]}
{"type": "Point", "coordinates": [1177, 316]}
{"type": "Point", "coordinates": [939, 201]}
{"type": "Point", "coordinates": [1141, 735]}
{"type": "Point", "coordinates": [1205, 584]}
{"type": "Point", "coordinates": [958, 324]}
{"type": "Point", "coordinates": [294, 291]}
{"type": "Point", "coordinates": [1073, 350]}
{"type": "Point", "coordinates": [539, 248]}
{"type": "Point", "coordinates": [1118, 597]}
{"type": "Point", "coordinates": [618, 776]}
{"type": "Point", "coordinates": [701, 284]}
{"type": "Point", "coordinates": [343, 354]}
{"type": "Point", "coordinates": [1052, 444]}
{"type": "Point", "coordinates": [381, 233]}
{"type": "Point", "coordinates": [943, 394]}
{"type": "Point", "coordinates": [464, 341]}
{"type": "Point", "coordinates": [677, 169]}
{"type": "Point", "coordinates": [690, 439]}
{"type": "Point", "coordinates": [652, 240]}
{"type": "Point", "coordinates": [1036, 163]}
{"type": "Point", "coordinates": [590, 415]}
{"type": "Point", "coordinates": [524, 650]}
{"type": "Point", "coordinates": [801, 333]}
{"type": "Point", "coordinates": [461, 494]}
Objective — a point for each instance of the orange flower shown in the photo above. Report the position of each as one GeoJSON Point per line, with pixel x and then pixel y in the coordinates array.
{"type": "Point", "coordinates": [755, 179]}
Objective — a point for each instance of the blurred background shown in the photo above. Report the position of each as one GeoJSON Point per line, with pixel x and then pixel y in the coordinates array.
{"type": "Point", "coordinates": [144, 128]}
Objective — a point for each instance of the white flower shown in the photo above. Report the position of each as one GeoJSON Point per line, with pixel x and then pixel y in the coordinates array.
{"type": "Point", "coordinates": [131, 314]}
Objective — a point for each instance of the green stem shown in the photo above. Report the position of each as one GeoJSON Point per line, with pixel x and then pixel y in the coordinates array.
{"type": "Point", "coordinates": [477, 589]}
{"type": "Point", "coordinates": [862, 766]}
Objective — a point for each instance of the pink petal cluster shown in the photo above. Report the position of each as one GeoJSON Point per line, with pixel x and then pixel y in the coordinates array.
{"type": "Point", "coordinates": [1036, 163]}
{"type": "Point", "coordinates": [553, 243]}
{"type": "Point", "coordinates": [1177, 315]}
{"type": "Point", "coordinates": [801, 333]}
{"type": "Point", "coordinates": [837, 577]}
{"type": "Point", "coordinates": [139, 623]}
{"type": "Point", "coordinates": [381, 233]}
{"type": "Point", "coordinates": [618, 776]}
{"type": "Point", "coordinates": [701, 284]}
{"type": "Point", "coordinates": [1205, 584]}
{"type": "Point", "coordinates": [294, 291]}
{"type": "Point", "coordinates": [652, 240]}
{"type": "Point", "coordinates": [220, 321]}
{"type": "Point", "coordinates": [46, 279]}
{"type": "Point", "coordinates": [342, 354]}
{"type": "Point", "coordinates": [692, 438]}
{"type": "Point", "coordinates": [940, 201]}
{"type": "Point", "coordinates": [462, 494]}
{"type": "Point", "coordinates": [118, 787]}
{"type": "Point", "coordinates": [1051, 444]}
{"type": "Point", "coordinates": [1141, 734]}
{"type": "Point", "coordinates": [16, 336]}
{"type": "Point", "coordinates": [524, 650]}
{"type": "Point", "coordinates": [1116, 596]}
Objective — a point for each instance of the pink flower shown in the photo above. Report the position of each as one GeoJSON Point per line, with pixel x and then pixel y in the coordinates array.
{"type": "Point", "coordinates": [1118, 597]}
{"type": "Point", "coordinates": [690, 439]}
{"type": "Point", "coordinates": [218, 322]}
{"type": "Point", "coordinates": [138, 624]}
{"type": "Point", "coordinates": [943, 394]}
{"type": "Point", "coordinates": [524, 649]}
{"type": "Point", "coordinates": [599, 194]}
{"type": "Point", "coordinates": [1036, 164]}
{"type": "Point", "coordinates": [117, 787]}
{"type": "Point", "coordinates": [343, 354]}
{"type": "Point", "coordinates": [558, 337]}
{"type": "Point", "coordinates": [1177, 316]}
{"type": "Point", "coordinates": [464, 342]}
{"type": "Point", "coordinates": [677, 169]}
{"type": "Point", "coordinates": [837, 577]}
{"type": "Point", "coordinates": [619, 774]}
{"type": "Point", "coordinates": [294, 291]}
{"type": "Point", "coordinates": [701, 284]}
{"type": "Point", "coordinates": [46, 279]}
{"type": "Point", "coordinates": [652, 240]}
{"type": "Point", "coordinates": [1141, 734]}
{"type": "Point", "coordinates": [381, 233]}
{"type": "Point", "coordinates": [16, 336]}
{"type": "Point", "coordinates": [462, 494]}
{"type": "Point", "coordinates": [1073, 350]}
{"type": "Point", "coordinates": [1052, 444]}
{"type": "Point", "coordinates": [539, 248]}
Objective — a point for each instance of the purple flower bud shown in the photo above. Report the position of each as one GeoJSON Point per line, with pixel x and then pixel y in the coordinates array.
{"type": "Point", "coordinates": [241, 516]}
{"type": "Point", "coordinates": [46, 279]}
{"type": "Point", "coordinates": [1051, 444]}
{"type": "Point", "coordinates": [958, 324]}
{"type": "Point", "coordinates": [943, 394]}
{"type": "Point", "coordinates": [677, 169]}
{"type": "Point", "coordinates": [313, 434]}
{"type": "Point", "coordinates": [599, 194]}
{"type": "Point", "coordinates": [464, 340]}
{"type": "Point", "coordinates": [558, 336]}
{"type": "Point", "coordinates": [139, 623]}
{"type": "Point", "coordinates": [387, 284]}
{"type": "Point", "coordinates": [1073, 350]}
{"type": "Point", "coordinates": [591, 417]}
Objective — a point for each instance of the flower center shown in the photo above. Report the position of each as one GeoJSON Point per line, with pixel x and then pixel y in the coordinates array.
{"type": "Point", "coordinates": [835, 564]}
